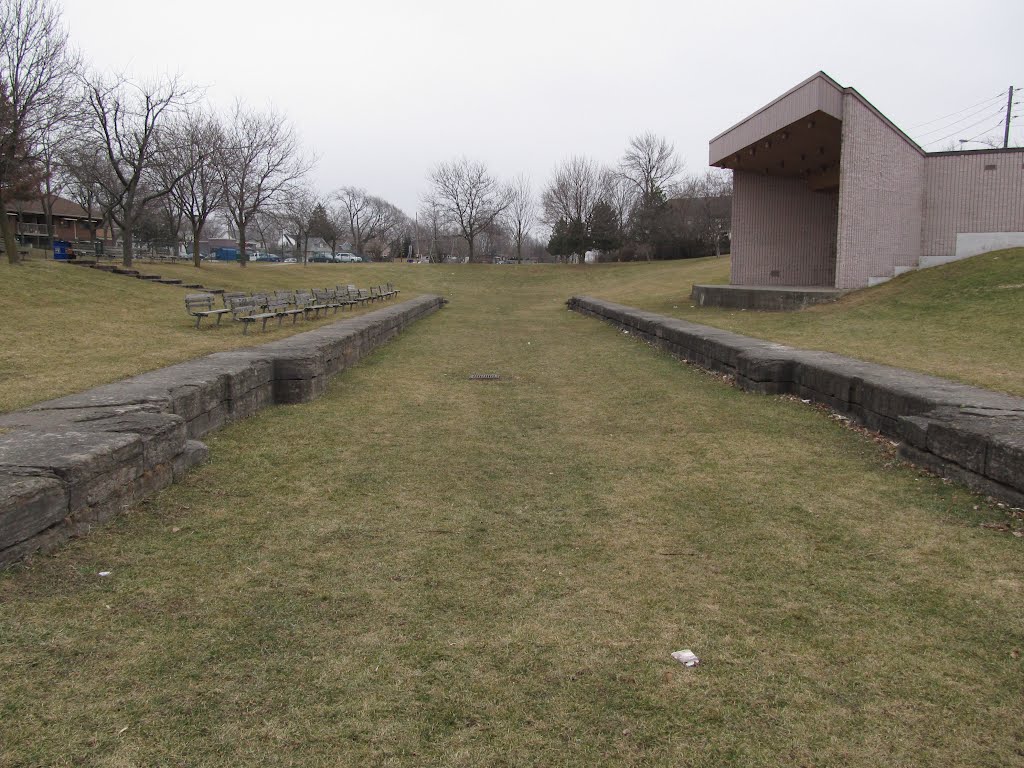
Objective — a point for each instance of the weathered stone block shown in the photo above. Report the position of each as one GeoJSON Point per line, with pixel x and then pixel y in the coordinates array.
{"type": "Point", "coordinates": [914, 430]}
{"type": "Point", "coordinates": [1005, 458]}
{"type": "Point", "coordinates": [28, 505]}
{"type": "Point", "coordinates": [955, 443]}
{"type": "Point", "coordinates": [194, 454]}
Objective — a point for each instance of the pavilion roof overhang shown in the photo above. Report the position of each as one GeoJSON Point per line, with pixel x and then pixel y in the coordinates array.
{"type": "Point", "coordinates": [808, 148]}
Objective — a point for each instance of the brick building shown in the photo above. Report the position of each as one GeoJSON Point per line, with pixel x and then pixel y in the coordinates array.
{"type": "Point", "coordinates": [828, 192]}
{"type": "Point", "coordinates": [71, 222]}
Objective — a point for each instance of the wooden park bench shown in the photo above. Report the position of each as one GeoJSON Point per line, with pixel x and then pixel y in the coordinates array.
{"type": "Point", "coordinates": [305, 301]}
{"type": "Point", "coordinates": [345, 298]}
{"type": "Point", "coordinates": [251, 313]}
{"type": "Point", "coordinates": [355, 295]}
{"type": "Point", "coordinates": [200, 305]}
{"type": "Point", "coordinates": [283, 308]}
{"type": "Point", "coordinates": [227, 296]}
{"type": "Point", "coordinates": [327, 298]}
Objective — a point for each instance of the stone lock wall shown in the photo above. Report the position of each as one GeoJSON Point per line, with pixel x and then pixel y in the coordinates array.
{"type": "Point", "coordinates": [971, 435]}
{"type": "Point", "coordinates": [69, 463]}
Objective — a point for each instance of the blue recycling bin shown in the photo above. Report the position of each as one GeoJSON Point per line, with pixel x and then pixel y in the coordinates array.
{"type": "Point", "coordinates": [61, 250]}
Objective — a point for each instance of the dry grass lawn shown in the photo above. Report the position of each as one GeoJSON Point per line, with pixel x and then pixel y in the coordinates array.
{"type": "Point", "coordinates": [67, 329]}
{"type": "Point", "coordinates": [422, 570]}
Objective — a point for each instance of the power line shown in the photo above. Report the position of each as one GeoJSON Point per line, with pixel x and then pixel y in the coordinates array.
{"type": "Point", "coordinates": [957, 112]}
{"type": "Point", "coordinates": [947, 126]}
{"type": "Point", "coordinates": [965, 128]}
{"type": "Point", "coordinates": [986, 131]}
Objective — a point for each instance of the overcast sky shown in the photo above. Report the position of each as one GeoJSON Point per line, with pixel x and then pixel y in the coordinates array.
{"type": "Point", "coordinates": [382, 90]}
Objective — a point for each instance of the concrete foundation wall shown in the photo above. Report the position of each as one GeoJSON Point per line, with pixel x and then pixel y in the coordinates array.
{"type": "Point", "coordinates": [968, 434]}
{"type": "Point", "coordinates": [70, 463]}
{"type": "Point", "coordinates": [783, 232]}
{"type": "Point", "coordinates": [882, 179]}
{"type": "Point", "coordinates": [980, 192]}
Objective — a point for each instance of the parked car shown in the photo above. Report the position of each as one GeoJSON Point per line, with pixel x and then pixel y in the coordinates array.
{"type": "Point", "coordinates": [347, 258]}
{"type": "Point", "coordinates": [291, 260]}
{"type": "Point", "coordinates": [321, 258]}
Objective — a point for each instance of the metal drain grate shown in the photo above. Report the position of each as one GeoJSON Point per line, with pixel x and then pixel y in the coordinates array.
{"type": "Point", "coordinates": [484, 377]}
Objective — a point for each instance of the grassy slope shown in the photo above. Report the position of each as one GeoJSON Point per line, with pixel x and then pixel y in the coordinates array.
{"type": "Point", "coordinates": [66, 329]}
{"type": "Point", "coordinates": [422, 570]}
{"type": "Point", "coordinates": [962, 321]}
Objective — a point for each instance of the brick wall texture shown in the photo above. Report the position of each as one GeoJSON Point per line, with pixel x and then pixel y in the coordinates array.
{"type": "Point", "coordinates": [981, 192]}
{"type": "Point", "coordinates": [880, 198]}
{"type": "Point", "coordinates": [786, 229]}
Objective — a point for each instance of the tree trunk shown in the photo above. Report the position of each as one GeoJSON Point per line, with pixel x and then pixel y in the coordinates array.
{"type": "Point", "coordinates": [197, 232]}
{"type": "Point", "coordinates": [242, 258]}
{"type": "Point", "coordinates": [128, 246]}
{"type": "Point", "coordinates": [47, 201]}
{"type": "Point", "coordinates": [10, 244]}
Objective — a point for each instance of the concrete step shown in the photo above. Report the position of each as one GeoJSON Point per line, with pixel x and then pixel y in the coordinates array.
{"type": "Point", "coordinates": [873, 281]}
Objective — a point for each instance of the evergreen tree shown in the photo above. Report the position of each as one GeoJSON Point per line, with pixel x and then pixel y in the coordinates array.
{"type": "Point", "coordinates": [557, 241]}
{"type": "Point", "coordinates": [604, 227]}
{"type": "Point", "coordinates": [649, 221]}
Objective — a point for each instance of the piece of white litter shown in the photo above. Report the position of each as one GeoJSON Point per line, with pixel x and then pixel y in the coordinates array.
{"type": "Point", "coordinates": [105, 573]}
{"type": "Point", "coordinates": [686, 657]}
{"type": "Point", "coordinates": [804, 401]}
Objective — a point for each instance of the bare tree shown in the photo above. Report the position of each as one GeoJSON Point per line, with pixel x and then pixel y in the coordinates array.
{"type": "Point", "coordinates": [127, 120]}
{"type": "Point", "coordinates": [259, 159]}
{"type": "Point", "coordinates": [521, 214]}
{"type": "Point", "coordinates": [328, 223]}
{"type": "Point", "coordinates": [192, 174]}
{"type": "Point", "coordinates": [82, 162]}
{"type": "Point", "coordinates": [651, 166]}
{"type": "Point", "coordinates": [712, 193]}
{"type": "Point", "coordinates": [431, 219]}
{"type": "Point", "coordinates": [297, 218]}
{"type": "Point", "coordinates": [470, 197]}
{"type": "Point", "coordinates": [366, 217]}
{"type": "Point", "coordinates": [37, 68]}
{"type": "Point", "coordinates": [572, 191]}
{"type": "Point", "coordinates": [620, 194]}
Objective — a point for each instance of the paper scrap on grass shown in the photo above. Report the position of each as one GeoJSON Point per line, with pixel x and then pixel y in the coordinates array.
{"type": "Point", "coordinates": [686, 657]}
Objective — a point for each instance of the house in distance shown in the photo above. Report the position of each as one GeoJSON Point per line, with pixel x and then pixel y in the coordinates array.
{"type": "Point", "coordinates": [830, 195]}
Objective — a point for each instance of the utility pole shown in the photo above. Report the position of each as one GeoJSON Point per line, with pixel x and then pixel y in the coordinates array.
{"type": "Point", "coordinates": [1009, 110]}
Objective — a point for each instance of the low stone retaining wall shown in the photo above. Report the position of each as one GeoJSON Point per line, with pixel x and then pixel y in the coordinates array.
{"type": "Point", "coordinates": [70, 463]}
{"type": "Point", "coordinates": [967, 434]}
{"type": "Point", "coordinates": [771, 298]}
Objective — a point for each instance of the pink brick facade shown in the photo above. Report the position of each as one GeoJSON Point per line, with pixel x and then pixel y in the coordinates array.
{"type": "Point", "coordinates": [880, 198]}
{"type": "Point", "coordinates": [971, 192]}
{"type": "Point", "coordinates": [843, 203]}
{"type": "Point", "coordinates": [791, 228]}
